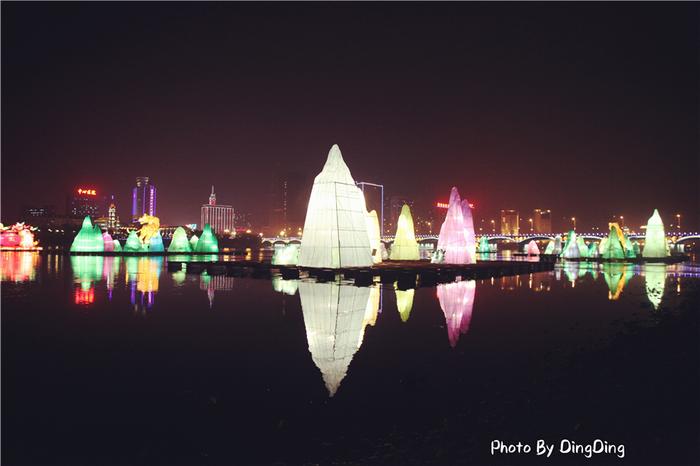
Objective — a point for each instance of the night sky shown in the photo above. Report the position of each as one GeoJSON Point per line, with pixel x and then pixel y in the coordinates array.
{"type": "Point", "coordinates": [587, 109]}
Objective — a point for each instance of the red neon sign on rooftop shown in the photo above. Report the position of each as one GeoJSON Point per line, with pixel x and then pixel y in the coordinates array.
{"type": "Point", "coordinates": [87, 192]}
{"type": "Point", "coordinates": [445, 205]}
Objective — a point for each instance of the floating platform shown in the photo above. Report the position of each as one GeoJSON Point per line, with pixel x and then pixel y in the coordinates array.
{"type": "Point", "coordinates": [406, 274]}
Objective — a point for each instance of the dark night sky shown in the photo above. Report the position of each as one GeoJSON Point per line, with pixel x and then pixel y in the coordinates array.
{"type": "Point", "coordinates": [588, 109]}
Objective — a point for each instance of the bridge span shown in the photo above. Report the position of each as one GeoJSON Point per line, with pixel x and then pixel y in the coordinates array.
{"type": "Point", "coordinates": [494, 237]}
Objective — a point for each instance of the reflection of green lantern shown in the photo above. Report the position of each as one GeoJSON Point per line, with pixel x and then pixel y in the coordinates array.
{"type": "Point", "coordinates": [117, 246]}
{"type": "Point", "coordinates": [88, 239]}
{"type": "Point", "coordinates": [87, 269]}
{"type": "Point", "coordinates": [208, 241]}
{"type": "Point", "coordinates": [179, 242]}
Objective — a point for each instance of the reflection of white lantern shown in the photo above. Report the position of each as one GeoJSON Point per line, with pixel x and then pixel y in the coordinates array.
{"type": "Point", "coordinates": [334, 317]}
{"type": "Point", "coordinates": [335, 229]}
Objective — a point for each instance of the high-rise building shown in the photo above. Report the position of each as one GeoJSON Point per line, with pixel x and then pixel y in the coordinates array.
{"type": "Point", "coordinates": [510, 222]}
{"type": "Point", "coordinates": [219, 217]}
{"type": "Point", "coordinates": [84, 201]}
{"type": "Point", "coordinates": [143, 198]}
{"type": "Point", "coordinates": [30, 213]}
{"type": "Point", "coordinates": [112, 217]}
{"type": "Point", "coordinates": [542, 221]}
{"type": "Point", "coordinates": [289, 196]}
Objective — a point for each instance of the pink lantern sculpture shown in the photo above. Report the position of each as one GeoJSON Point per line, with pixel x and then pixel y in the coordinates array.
{"type": "Point", "coordinates": [532, 249]}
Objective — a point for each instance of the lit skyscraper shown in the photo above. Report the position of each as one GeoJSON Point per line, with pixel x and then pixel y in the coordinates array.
{"type": "Point", "coordinates": [510, 222]}
{"type": "Point", "coordinates": [220, 217]}
{"type": "Point", "coordinates": [542, 221]}
{"type": "Point", "coordinates": [143, 198]}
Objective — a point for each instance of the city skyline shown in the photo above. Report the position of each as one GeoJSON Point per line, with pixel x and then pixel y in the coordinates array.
{"type": "Point", "coordinates": [591, 129]}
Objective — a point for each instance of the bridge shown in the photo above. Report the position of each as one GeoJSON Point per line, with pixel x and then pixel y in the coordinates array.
{"type": "Point", "coordinates": [495, 237]}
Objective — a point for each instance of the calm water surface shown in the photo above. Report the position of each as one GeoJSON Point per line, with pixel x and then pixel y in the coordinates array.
{"type": "Point", "coordinates": [118, 361]}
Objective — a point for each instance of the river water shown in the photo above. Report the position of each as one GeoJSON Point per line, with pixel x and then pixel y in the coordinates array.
{"type": "Point", "coordinates": [118, 361]}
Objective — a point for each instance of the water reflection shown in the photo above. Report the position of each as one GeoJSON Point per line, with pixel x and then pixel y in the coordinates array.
{"type": "Point", "coordinates": [110, 271]}
{"type": "Point", "coordinates": [457, 302]}
{"type": "Point", "coordinates": [334, 317]}
{"type": "Point", "coordinates": [214, 283]}
{"type": "Point", "coordinates": [18, 266]}
{"type": "Point", "coordinates": [617, 276]}
{"type": "Point", "coordinates": [288, 287]}
{"type": "Point", "coordinates": [87, 270]}
{"type": "Point", "coordinates": [655, 282]}
{"type": "Point", "coordinates": [404, 302]}
{"type": "Point", "coordinates": [143, 278]}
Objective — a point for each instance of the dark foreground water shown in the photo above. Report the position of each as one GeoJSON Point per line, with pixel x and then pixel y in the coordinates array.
{"type": "Point", "coordinates": [117, 361]}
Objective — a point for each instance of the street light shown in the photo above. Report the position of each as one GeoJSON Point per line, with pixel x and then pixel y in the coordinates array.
{"type": "Point", "coordinates": [573, 220]}
{"type": "Point", "coordinates": [493, 226]}
{"type": "Point", "coordinates": [678, 221]}
{"type": "Point", "coordinates": [530, 220]}
{"type": "Point", "coordinates": [622, 221]}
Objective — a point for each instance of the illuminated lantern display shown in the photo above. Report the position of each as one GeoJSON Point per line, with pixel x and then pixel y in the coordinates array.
{"type": "Point", "coordinates": [9, 239]}
{"type": "Point", "coordinates": [405, 246]}
{"type": "Point", "coordinates": [133, 243]}
{"type": "Point", "coordinates": [469, 229]}
{"type": "Point", "coordinates": [375, 242]}
{"type": "Point", "coordinates": [335, 229]}
{"type": "Point", "coordinates": [88, 239]}
{"type": "Point", "coordinates": [452, 239]}
{"type": "Point", "coordinates": [602, 246]}
{"type": "Point", "coordinates": [286, 255]}
{"type": "Point", "coordinates": [17, 236]}
{"type": "Point", "coordinates": [108, 241]}
{"type": "Point", "coordinates": [457, 302]}
{"type": "Point", "coordinates": [655, 281]}
{"type": "Point", "coordinates": [655, 238]}
{"type": "Point", "coordinates": [26, 239]}
{"type": "Point", "coordinates": [179, 243]}
{"type": "Point", "coordinates": [593, 250]}
{"type": "Point", "coordinates": [571, 248]}
{"type": "Point", "coordinates": [629, 248]}
{"type": "Point", "coordinates": [532, 249]}
{"type": "Point", "coordinates": [554, 246]}
{"type": "Point", "coordinates": [484, 246]}
{"type": "Point", "coordinates": [280, 285]}
{"type": "Point", "coordinates": [637, 249]}
{"type": "Point", "coordinates": [582, 247]}
{"type": "Point", "coordinates": [193, 242]}
{"type": "Point", "coordinates": [613, 246]}
{"type": "Point", "coordinates": [156, 243]}
{"type": "Point", "coordinates": [208, 242]}
{"type": "Point", "coordinates": [116, 246]}
{"type": "Point", "coordinates": [404, 302]}
{"type": "Point", "coordinates": [333, 318]}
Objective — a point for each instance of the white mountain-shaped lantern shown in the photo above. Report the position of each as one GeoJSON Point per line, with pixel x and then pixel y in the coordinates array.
{"type": "Point", "coordinates": [335, 229]}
